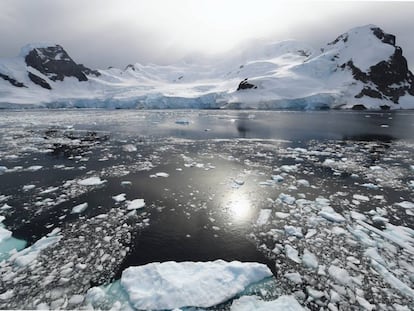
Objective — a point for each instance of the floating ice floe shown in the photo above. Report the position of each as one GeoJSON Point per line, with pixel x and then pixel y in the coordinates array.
{"type": "Point", "coordinates": [254, 303]}
{"type": "Point", "coordinates": [405, 204]}
{"type": "Point", "coordinates": [129, 148]}
{"type": "Point", "coordinates": [79, 208]}
{"type": "Point", "coordinates": [135, 204]}
{"type": "Point", "coordinates": [34, 168]}
{"type": "Point", "coordinates": [292, 253]}
{"type": "Point", "coordinates": [172, 285]}
{"type": "Point", "coordinates": [119, 198]}
{"type": "Point", "coordinates": [263, 217]}
{"type": "Point", "coordinates": [286, 198]}
{"type": "Point", "coordinates": [91, 181]}
{"type": "Point", "coordinates": [160, 174]}
{"type": "Point", "coordinates": [328, 213]}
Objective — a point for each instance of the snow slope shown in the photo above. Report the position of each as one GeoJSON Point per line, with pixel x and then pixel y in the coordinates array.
{"type": "Point", "coordinates": [288, 74]}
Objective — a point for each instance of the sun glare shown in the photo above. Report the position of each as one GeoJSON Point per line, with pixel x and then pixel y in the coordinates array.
{"type": "Point", "coordinates": [239, 207]}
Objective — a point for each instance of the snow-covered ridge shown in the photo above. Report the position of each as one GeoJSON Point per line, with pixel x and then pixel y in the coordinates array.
{"type": "Point", "coordinates": [361, 69]}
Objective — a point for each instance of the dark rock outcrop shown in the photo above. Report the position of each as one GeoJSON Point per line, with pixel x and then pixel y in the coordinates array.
{"type": "Point", "coordinates": [389, 79]}
{"type": "Point", "coordinates": [56, 64]}
{"type": "Point", "coordinates": [244, 85]}
{"type": "Point", "coordinates": [39, 81]}
{"type": "Point", "coordinates": [12, 81]}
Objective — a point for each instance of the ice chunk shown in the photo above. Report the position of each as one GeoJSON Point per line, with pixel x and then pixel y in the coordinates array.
{"type": "Point", "coordinates": [254, 303]}
{"type": "Point", "coordinates": [129, 148]}
{"type": "Point", "coordinates": [4, 233]}
{"type": "Point", "coordinates": [292, 253]}
{"type": "Point", "coordinates": [340, 275]}
{"type": "Point", "coordinates": [277, 178]}
{"type": "Point", "coordinates": [162, 174]}
{"type": "Point", "coordinates": [328, 213]}
{"type": "Point", "coordinates": [295, 231]}
{"type": "Point", "coordinates": [171, 284]}
{"type": "Point", "coordinates": [264, 216]}
{"type": "Point", "coordinates": [289, 168]}
{"type": "Point", "coordinates": [303, 183]}
{"type": "Point", "coordinates": [119, 197]}
{"type": "Point", "coordinates": [286, 198]}
{"type": "Point", "coordinates": [309, 259]}
{"type": "Point", "coordinates": [294, 277]}
{"type": "Point", "coordinates": [91, 181]}
{"type": "Point", "coordinates": [406, 204]}
{"type": "Point", "coordinates": [34, 168]}
{"type": "Point", "coordinates": [79, 208]}
{"type": "Point", "coordinates": [135, 204]}
{"type": "Point", "coordinates": [360, 197]}
{"type": "Point", "coordinates": [28, 187]}
{"type": "Point", "coordinates": [282, 215]}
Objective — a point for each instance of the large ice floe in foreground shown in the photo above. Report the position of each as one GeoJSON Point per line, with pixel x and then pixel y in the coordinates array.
{"type": "Point", "coordinates": [169, 285]}
{"type": "Point", "coordinates": [361, 69]}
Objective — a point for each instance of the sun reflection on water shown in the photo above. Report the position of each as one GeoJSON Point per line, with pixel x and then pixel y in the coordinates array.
{"type": "Point", "coordinates": [239, 207]}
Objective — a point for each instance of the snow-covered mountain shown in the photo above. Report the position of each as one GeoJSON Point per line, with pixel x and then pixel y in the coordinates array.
{"type": "Point", "coordinates": [362, 68]}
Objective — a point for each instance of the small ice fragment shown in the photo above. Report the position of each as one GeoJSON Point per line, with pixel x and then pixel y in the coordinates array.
{"type": "Point", "coordinates": [286, 198]}
{"type": "Point", "coordinates": [340, 275]}
{"type": "Point", "coordinates": [129, 148]}
{"type": "Point", "coordinates": [119, 198]}
{"type": "Point", "coordinates": [292, 253]}
{"type": "Point", "coordinates": [310, 233]}
{"type": "Point", "coordinates": [282, 215]}
{"type": "Point", "coordinates": [385, 125]}
{"type": "Point", "coordinates": [264, 216]}
{"type": "Point", "coordinates": [309, 259]}
{"type": "Point", "coordinates": [79, 208]}
{"type": "Point", "coordinates": [28, 187]}
{"type": "Point", "coordinates": [135, 204]}
{"type": "Point", "coordinates": [126, 183]}
{"type": "Point", "coordinates": [294, 277]}
{"type": "Point", "coordinates": [360, 197]}
{"type": "Point", "coordinates": [277, 178]}
{"type": "Point", "coordinates": [329, 214]}
{"type": "Point", "coordinates": [162, 174]}
{"type": "Point", "coordinates": [303, 183]}
{"type": "Point", "coordinates": [91, 181]}
{"type": "Point", "coordinates": [406, 204]}
{"type": "Point", "coordinates": [34, 168]}
{"type": "Point", "coordinates": [294, 231]}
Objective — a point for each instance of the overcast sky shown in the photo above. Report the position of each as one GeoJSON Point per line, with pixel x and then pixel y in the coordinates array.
{"type": "Point", "coordinates": [102, 33]}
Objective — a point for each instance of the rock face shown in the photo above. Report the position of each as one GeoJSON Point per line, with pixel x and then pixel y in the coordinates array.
{"type": "Point", "coordinates": [12, 81]}
{"type": "Point", "coordinates": [388, 79]}
{"type": "Point", "coordinates": [55, 64]}
{"type": "Point", "coordinates": [244, 85]}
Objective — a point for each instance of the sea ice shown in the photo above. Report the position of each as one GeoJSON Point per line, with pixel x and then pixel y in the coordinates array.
{"type": "Point", "coordinates": [286, 198]}
{"type": "Point", "coordinates": [170, 285]}
{"type": "Point", "coordinates": [135, 204]}
{"type": "Point", "coordinates": [264, 216]}
{"type": "Point", "coordinates": [254, 303]}
{"type": "Point", "coordinates": [79, 208]}
{"type": "Point", "coordinates": [292, 253]}
{"type": "Point", "coordinates": [91, 181]}
{"type": "Point", "coordinates": [340, 275]}
{"type": "Point", "coordinates": [309, 259]}
{"type": "Point", "coordinates": [119, 198]}
{"type": "Point", "coordinates": [328, 213]}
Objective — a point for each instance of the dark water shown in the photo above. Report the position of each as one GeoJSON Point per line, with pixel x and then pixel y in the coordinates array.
{"type": "Point", "coordinates": [195, 214]}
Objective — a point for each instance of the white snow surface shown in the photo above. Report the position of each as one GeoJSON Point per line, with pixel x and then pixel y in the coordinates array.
{"type": "Point", "coordinates": [170, 285]}
{"type": "Point", "coordinates": [287, 74]}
